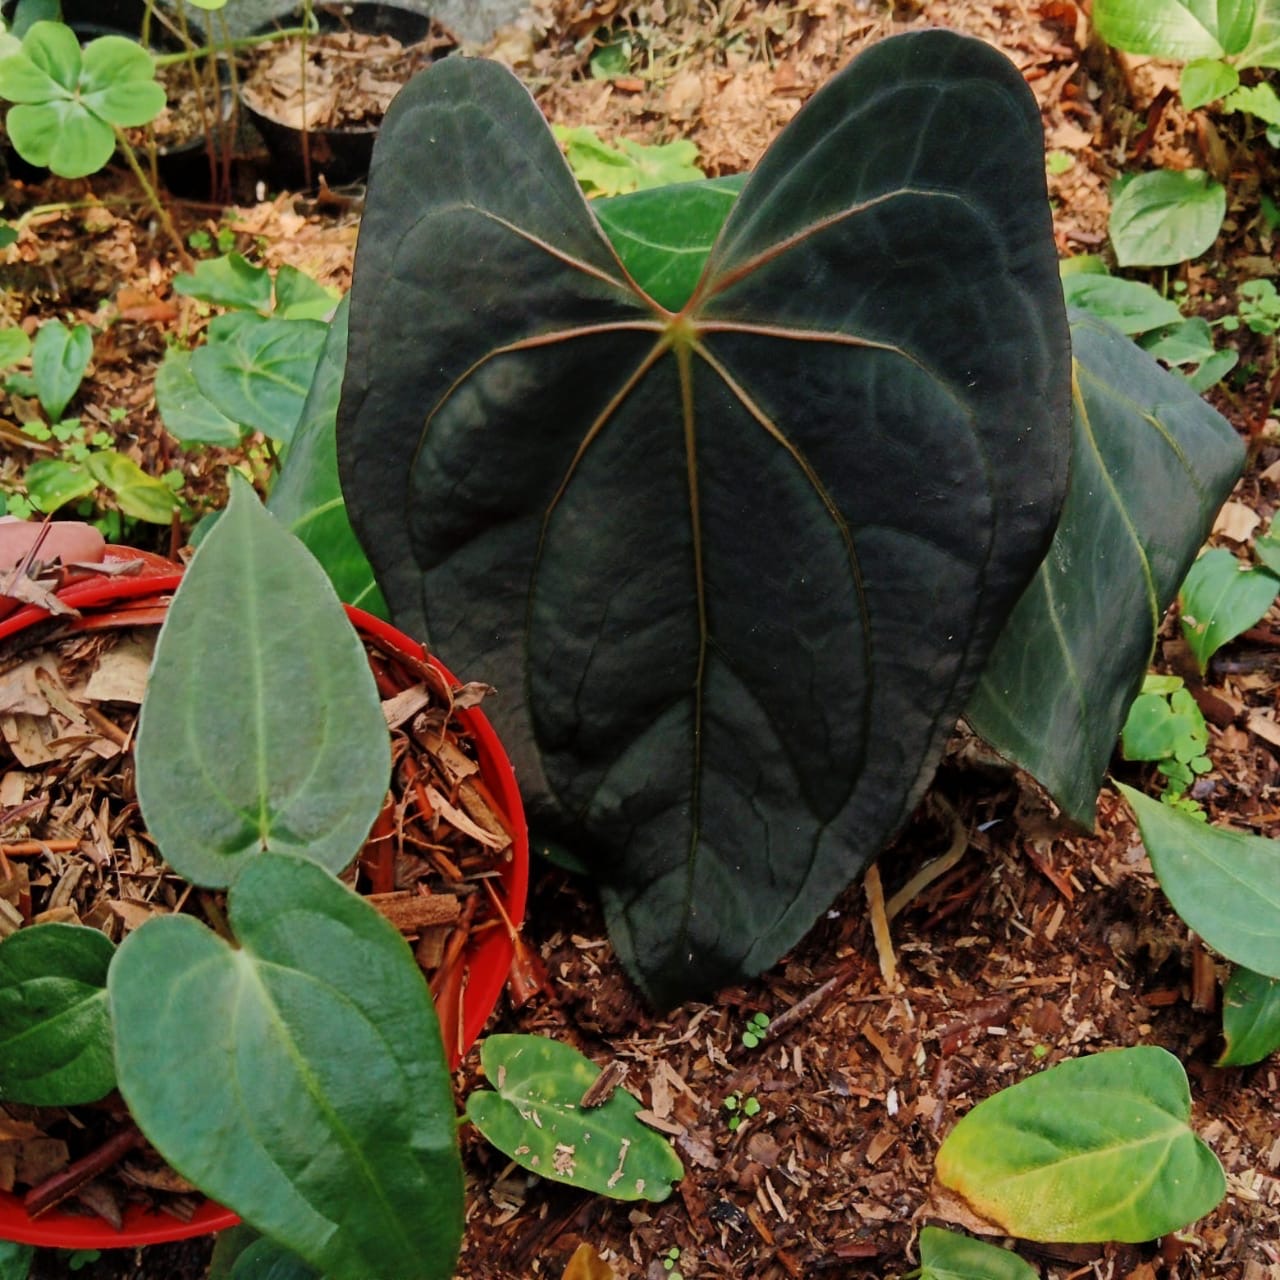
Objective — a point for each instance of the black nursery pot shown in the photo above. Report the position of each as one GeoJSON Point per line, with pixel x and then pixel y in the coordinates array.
{"type": "Point", "coordinates": [342, 155]}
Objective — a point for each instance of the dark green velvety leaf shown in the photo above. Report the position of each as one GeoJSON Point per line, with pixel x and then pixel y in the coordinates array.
{"type": "Point", "coordinates": [306, 497]}
{"type": "Point", "coordinates": [663, 236]}
{"type": "Point", "coordinates": [1250, 1018]}
{"type": "Point", "coordinates": [1151, 464]}
{"type": "Point", "coordinates": [534, 1114]}
{"type": "Point", "coordinates": [262, 727]}
{"type": "Point", "coordinates": [260, 374]}
{"type": "Point", "coordinates": [55, 1030]}
{"type": "Point", "coordinates": [733, 571]}
{"type": "Point", "coordinates": [300, 1077]}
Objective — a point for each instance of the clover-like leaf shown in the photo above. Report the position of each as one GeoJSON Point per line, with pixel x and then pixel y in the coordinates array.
{"type": "Point", "coordinates": [55, 1029]}
{"type": "Point", "coordinates": [262, 728]}
{"type": "Point", "coordinates": [298, 1077]}
{"type": "Point", "coordinates": [534, 1114]}
{"type": "Point", "coordinates": [734, 568]}
{"type": "Point", "coordinates": [1096, 1148]}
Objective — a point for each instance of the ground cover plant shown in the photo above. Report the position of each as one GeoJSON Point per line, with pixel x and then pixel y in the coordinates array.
{"type": "Point", "coordinates": [1049, 947]}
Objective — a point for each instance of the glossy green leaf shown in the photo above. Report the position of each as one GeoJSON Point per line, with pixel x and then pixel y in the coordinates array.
{"type": "Point", "coordinates": [258, 374]}
{"type": "Point", "coordinates": [732, 571]}
{"type": "Point", "coordinates": [228, 281]}
{"type": "Point", "coordinates": [1178, 29]}
{"type": "Point", "coordinates": [663, 236]}
{"type": "Point", "coordinates": [1166, 217]}
{"type": "Point", "coordinates": [1185, 342]}
{"type": "Point", "coordinates": [1250, 1018]}
{"type": "Point", "coordinates": [59, 358]}
{"type": "Point", "coordinates": [947, 1255]}
{"type": "Point", "coordinates": [1093, 1149]}
{"type": "Point", "coordinates": [1130, 305]}
{"type": "Point", "coordinates": [1221, 598]}
{"type": "Point", "coordinates": [187, 413]}
{"type": "Point", "coordinates": [1206, 80]}
{"type": "Point", "coordinates": [137, 494]}
{"type": "Point", "coordinates": [299, 1077]}
{"type": "Point", "coordinates": [266, 1260]}
{"type": "Point", "coordinates": [306, 497]}
{"type": "Point", "coordinates": [1224, 884]}
{"type": "Point", "coordinates": [51, 483]}
{"type": "Point", "coordinates": [55, 1029]}
{"type": "Point", "coordinates": [533, 1114]}
{"type": "Point", "coordinates": [1260, 100]}
{"type": "Point", "coordinates": [14, 346]}
{"type": "Point", "coordinates": [1151, 464]}
{"type": "Point", "coordinates": [262, 728]}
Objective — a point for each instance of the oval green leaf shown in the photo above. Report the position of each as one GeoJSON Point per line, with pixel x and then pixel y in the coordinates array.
{"type": "Point", "coordinates": [1151, 464]}
{"type": "Point", "coordinates": [228, 281]}
{"type": "Point", "coordinates": [306, 497]}
{"type": "Point", "coordinates": [947, 1255]}
{"type": "Point", "coordinates": [1206, 80]}
{"type": "Point", "coordinates": [259, 374]}
{"type": "Point", "coordinates": [1177, 29]}
{"type": "Point", "coordinates": [1224, 884]}
{"type": "Point", "coordinates": [59, 357]}
{"type": "Point", "coordinates": [534, 1115]}
{"type": "Point", "coordinates": [1166, 217]}
{"type": "Point", "coordinates": [14, 345]}
{"type": "Point", "coordinates": [55, 1028]}
{"type": "Point", "coordinates": [1095, 1149]}
{"type": "Point", "coordinates": [1250, 1018]}
{"type": "Point", "coordinates": [187, 413]}
{"type": "Point", "coordinates": [1220, 599]}
{"type": "Point", "coordinates": [1130, 305]}
{"type": "Point", "coordinates": [137, 494]}
{"type": "Point", "coordinates": [298, 1078]}
{"type": "Point", "coordinates": [261, 728]}
{"type": "Point", "coordinates": [52, 483]}
{"type": "Point", "coordinates": [734, 570]}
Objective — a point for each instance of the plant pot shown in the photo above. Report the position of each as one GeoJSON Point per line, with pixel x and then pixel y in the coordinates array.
{"type": "Point", "coordinates": [140, 599]}
{"type": "Point", "coordinates": [339, 151]}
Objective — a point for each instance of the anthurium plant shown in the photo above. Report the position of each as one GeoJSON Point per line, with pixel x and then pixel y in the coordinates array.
{"type": "Point", "coordinates": [735, 507]}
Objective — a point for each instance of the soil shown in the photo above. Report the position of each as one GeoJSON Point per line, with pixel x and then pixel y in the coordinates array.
{"type": "Point", "coordinates": [1039, 944]}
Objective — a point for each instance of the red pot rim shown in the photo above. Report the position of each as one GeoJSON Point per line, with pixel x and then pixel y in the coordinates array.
{"type": "Point", "coordinates": [487, 960]}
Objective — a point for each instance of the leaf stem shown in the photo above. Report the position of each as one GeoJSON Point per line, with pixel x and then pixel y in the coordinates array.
{"type": "Point", "coordinates": [153, 197]}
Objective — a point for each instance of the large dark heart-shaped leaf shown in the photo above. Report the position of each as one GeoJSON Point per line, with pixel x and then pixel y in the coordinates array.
{"type": "Point", "coordinates": [1151, 465]}
{"type": "Point", "coordinates": [298, 1077]}
{"type": "Point", "coordinates": [734, 568]}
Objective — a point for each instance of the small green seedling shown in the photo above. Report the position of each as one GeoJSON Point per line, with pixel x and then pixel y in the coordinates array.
{"type": "Point", "coordinates": [1165, 726]}
{"type": "Point", "coordinates": [1258, 309]}
{"type": "Point", "coordinates": [669, 1261]}
{"type": "Point", "coordinates": [1221, 598]}
{"type": "Point", "coordinates": [604, 170]}
{"type": "Point", "coordinates": [740, 1108]}
{"type": "Point", "coordinates": [755, 1030]}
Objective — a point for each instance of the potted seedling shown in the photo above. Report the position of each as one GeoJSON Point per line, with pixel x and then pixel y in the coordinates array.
{"type": "Point", "coordinates": [262, 762]}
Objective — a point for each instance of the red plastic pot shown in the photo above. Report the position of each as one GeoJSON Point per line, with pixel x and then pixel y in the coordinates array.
{"type": "Point", "coordinates": [140, 598]}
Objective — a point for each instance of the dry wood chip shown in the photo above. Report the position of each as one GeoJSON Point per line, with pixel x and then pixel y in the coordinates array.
{"type": "Point", "coordinates": [133, 912]}
{"type": "Point", "coordinates": [463, 823]}
{"type": "Point", "coordinates": [410, 911]}
{"type": "Point", "coordinates": [120, 674]}
{"type": "Point", "coordinates": [404, 705]}
{"type": "Point", "coordinates": [19, 691]}
{"type": "Point", "coordinates": [1264, 724]}
{"type": "Point", "coordinates": [1236, 521]}
{"type": "Point", "coordinates": [661, 1123]}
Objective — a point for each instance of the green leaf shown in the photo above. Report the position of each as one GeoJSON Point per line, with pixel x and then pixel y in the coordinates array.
{"type": "Point", "coordinates": [230, 281]}
{"type": "Point", "coordinates": [1164, 726]}
{"type": "Point", "coordinates": [51, 483]}
{"type": "Point", "coordinates": [1267, 549]}
{"type": "Point", "coordinates": [734, 570]}
{"type": "Point", "coordinates": [118, 84]}
{"type": "Point", "coordinates": [137, 494]}
{"type": "Point", "coordinates": [266, 1260]}
{"type": "Point", "coordinates": [14, 346]}
{"type": "Point", "coordinates": [1206, 80]}
{"type": "Point", "coordinates": [8, 235]}
{"type": "Point", "coordinates": [53, 53]}
{"type": "Point", "coordinates": [1151, 464]}
{"type": "Point", "coordinates": [1166, 217]}
{"type": "Point", "coordinates": [15, 1260]}
{"type": "Point", "coordinates": [1131, 306]}
{"type": "Point", "coordinates": [1097, 1148]}
{"type": "Point", "coordinates": [1177, 29]}
{"type": "Point", "coordinates": [59, 358]}
{"type": "Point", "coordinates": [1224, 884]}
{"type": "Point", "coordinates": [307, 498]}
{"type": "Point", "coordinates": [61, 137]}
{"type": "Point", "coordinates": [298, 1078]}
{"type": "Point", "coordinates": [1221, 598]}
{"type": "Point", "coordinates": [259, 375]}
{"type": "Point", "coordinates": [55, 1029]}
{"type": "Point", "coordinates": [663, 236]}
{"type": "Point", "coordinates": [187, 413]}
{"type": "Point", "coordinates": [1250, 1018]}
{"type": "Point", "coordinates": [1187, 342]}
{"type": "Point", "coordinates": [947, 1255]}
{"type": "Point", "coordinates": [1259, 100]}
{"type": "Point", "coordinates": [534, 1115]}
{"type": "Point", "coordinates": [262, 728]}
{"type": "Point", "coordinates": [630, 166]}
{"type": "Point", "coordinates": [299, 297]}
